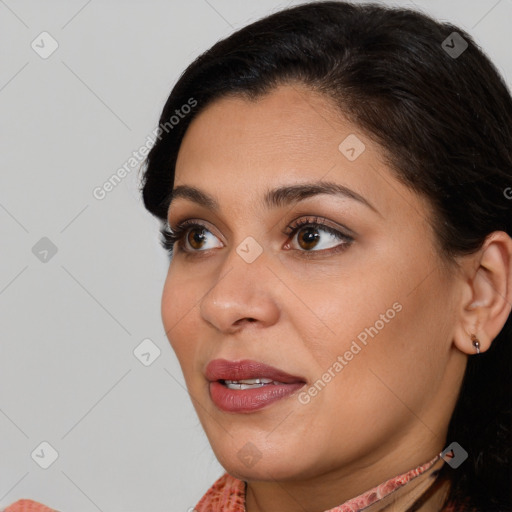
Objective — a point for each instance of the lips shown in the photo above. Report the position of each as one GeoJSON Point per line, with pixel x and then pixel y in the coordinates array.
{"type": "Point", "coordinates": [222, 370]}
{"type": "Point", "coordinates": [248, 396]}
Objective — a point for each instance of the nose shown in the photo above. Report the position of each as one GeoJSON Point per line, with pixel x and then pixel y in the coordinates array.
{"type": "Point", "coordinates": [242, 294]}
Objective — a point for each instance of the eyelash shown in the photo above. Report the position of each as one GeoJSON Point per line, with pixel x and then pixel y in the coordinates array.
{"type": "Point", "coordinates": [174, 237]}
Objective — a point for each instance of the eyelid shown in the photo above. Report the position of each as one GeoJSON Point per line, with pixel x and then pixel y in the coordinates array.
{"type": "Point", "coordinates": [192, 222]}
{"type": "Point", "coordinates": [181, 215]}
{"type": "Point", "coordinates": [316, 219]}
{"type": "Point", "coordinates": [305, 219]}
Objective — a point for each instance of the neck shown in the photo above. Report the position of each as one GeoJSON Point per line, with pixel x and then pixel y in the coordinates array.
{"type": "Point", "coordinates": [424, 493]}
{"type": "Point", "coordinates": [433, 498]}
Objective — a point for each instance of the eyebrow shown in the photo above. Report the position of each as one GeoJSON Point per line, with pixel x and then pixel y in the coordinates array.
{"type": "Point", "coordinates": [275, 198]}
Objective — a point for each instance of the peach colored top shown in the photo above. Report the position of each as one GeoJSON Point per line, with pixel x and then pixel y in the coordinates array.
{"type": "Point", "coordinates": [28, 506]}
{"type": "Point", "coordinates": [227, 494]}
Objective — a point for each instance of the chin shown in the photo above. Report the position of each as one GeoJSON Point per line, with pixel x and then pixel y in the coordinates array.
{"type": "Point", "coordinates": [265, 464]}
{"type": "Point", "coordinates": [265, 472]}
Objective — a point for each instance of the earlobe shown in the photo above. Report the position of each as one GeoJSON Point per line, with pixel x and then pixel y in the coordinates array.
{"type": "Point", "coordinates": [471, 343]}
{"type": "Point", "coordinates": [487, 293]}
{"type": "Point", "coordinates": [476, 343]}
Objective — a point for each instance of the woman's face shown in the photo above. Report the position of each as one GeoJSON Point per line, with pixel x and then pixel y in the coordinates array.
{"type": "Point", "coordinates": [357, 308]}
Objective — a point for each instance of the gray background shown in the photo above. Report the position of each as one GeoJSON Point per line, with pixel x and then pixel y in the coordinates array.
{"type": "Point", "coordinates": [126, 434]}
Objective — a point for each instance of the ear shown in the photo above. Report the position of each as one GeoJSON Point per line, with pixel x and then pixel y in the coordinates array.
{"type": "Point", "coordinates": [487, 293]}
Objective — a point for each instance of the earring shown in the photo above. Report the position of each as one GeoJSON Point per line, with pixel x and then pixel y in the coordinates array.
{"type": "Point", "coordinates": [476, 343]}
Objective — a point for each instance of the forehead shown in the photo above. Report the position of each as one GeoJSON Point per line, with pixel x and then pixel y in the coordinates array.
{"type": "Point", "coordinates": [279, 129]}
{"type": "Point", "coordinates": [238, 147]}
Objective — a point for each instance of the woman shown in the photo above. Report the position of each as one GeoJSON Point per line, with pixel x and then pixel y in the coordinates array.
{"type": "Point", "coordinates": [335, 195]}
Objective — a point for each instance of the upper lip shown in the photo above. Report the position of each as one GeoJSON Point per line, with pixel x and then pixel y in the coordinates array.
{"type": "Point", "coordinates": [222, 369]}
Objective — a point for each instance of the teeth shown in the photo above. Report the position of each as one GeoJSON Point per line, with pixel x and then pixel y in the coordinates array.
{"type": "Point", "coordinates": [249, 383]}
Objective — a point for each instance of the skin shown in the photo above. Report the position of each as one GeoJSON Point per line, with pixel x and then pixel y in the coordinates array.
{"type": "Point", "coordinates": [388, 410]}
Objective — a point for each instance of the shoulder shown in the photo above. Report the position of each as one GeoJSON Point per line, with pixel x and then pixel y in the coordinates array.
{"type": "Point", "coordinates": [28, 506]}
{"type": "Point", "coordinates": [227, 494]}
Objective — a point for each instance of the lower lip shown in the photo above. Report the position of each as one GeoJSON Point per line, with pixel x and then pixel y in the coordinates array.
{"type": "Point", "coordinates": [249, 400]}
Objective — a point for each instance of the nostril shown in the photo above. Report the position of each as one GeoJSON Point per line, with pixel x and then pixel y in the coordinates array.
{"type": "Point", "coordinates": [242, 320]}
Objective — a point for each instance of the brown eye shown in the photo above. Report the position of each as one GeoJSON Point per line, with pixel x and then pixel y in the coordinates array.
{"type": "Point", "coordinates": [317, 237]}
{"type": "Point", "coordinates": [196, 236]}
{"type": "Point", "coordinates": [308, 237]}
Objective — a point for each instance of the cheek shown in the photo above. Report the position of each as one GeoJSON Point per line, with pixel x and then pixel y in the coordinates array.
{"type": "Point", "coordinates": [177, 311]}
{"type": "Point", "coordinates": [382, 324]}
{"type": "Point", "coordinates": [388, 339]}
{"type": "Point", "coordinates": [168, 304]}
{"type": "Point", "coordinates": [347, 307]}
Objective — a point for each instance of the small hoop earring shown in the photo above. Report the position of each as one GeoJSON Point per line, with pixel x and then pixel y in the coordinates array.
{"type": "Point", "coordinates": [476, 343]}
